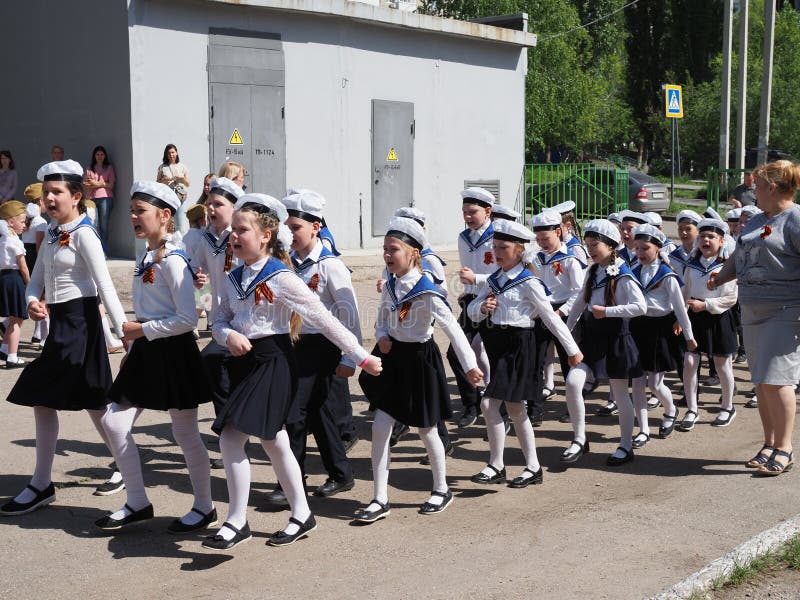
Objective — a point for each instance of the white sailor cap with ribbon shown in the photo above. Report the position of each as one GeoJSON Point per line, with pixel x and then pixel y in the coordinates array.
{"type": "Point", "coordinates": [547, 220]}
{"type": "Point", "coordinates": [157, 194]}
{"type": "Point", "coordinates": [564, 207]}
{"type": "Point", "coordinates": [614, 218]}
{"type": "Point", "coordinates": [306, 205]}
{"type": "Point", "coordinates": [61, 170]}
{"type": "Point", "coordinates": [411, 212]}
{"type": "Point", "coordinates": [654, 218]}
{"type": "Point", "coordinates": [751, 210]}
{"type": "Point", "coordinates": [716, 225]}
{"type": "Point", "coordinates": [688, 215]}
{"type": "Point", "coordinates": [710, 213]}
{"type": "Point", "coordinates": [636, 217]}
{"type": "Point", "coordinates": [650, 233]}
{"type": "Point", "coordinates": [479, 196]}
{"type": "Point", "coordinates": [511, 231]}
{"type": "Point", "coordinates": [604, 230]}
{"type": "Point", "coordinates": [733, 215]}
{"type": "Point", "coordinates": [226, 188]}
{"type": "Point", "coordinates": [407, 231]}
{"type": "Point", "coordinates": [503, 212]}
{"type": "Point", "coordinates": [262, 203]}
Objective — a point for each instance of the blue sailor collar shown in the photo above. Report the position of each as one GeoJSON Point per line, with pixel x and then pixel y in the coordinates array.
{"type": "Point", "coordinates": [573, 241]}
{"type": "Point", "coordinates": [696, 264]}
{"type": "Point", "coordinates": [662, 273]}
{"type": "Point", "coordinates": [325, 234]}
{"type": "Point", "coordinates": [271, 268]}
{"type": "Point", "coordinates": [82, 221]}
{"type": "Point", "coordinates": [428, 270]}
{"type": "Point", "coordinates": [319, 253]}
{"type": "Point", "coordinates": [512, 282]}
{"type": "Point", "coordinates": [679, 255]}
{"type": "Point", "coordinates": [624, 271]}
{"type": "Point", "coordinates": [217, 247]}
{"type": "Point", "coordinates": [565, 252]}
{"type": "Point", "coordinates": [142, 266]}
{"type": "Point", "coordinates": [421, 287]}
{"type": "Point", "coordinates": [487, 235]}
{"type": "Point", "coordinates": [629, 257]}
{"type": "Point", "coordinates": [429, 253]}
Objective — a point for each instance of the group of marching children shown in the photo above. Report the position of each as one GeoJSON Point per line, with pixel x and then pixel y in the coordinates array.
{"type": "Point", "coordinates": [286, 336]}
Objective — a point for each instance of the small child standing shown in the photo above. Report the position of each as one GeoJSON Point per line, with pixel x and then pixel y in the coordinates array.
{"type": "Point", "coordinates": [630, 220]}
{"type": "Point", "coordinates": [14, 277]}
{"type": "Point", "coordinates": [687, 221]}
{"type": "Point", "coordinates": [193, 243]}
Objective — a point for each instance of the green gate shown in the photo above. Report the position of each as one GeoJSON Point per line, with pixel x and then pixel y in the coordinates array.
{"type": "Point", "coordinates": [721, 183]}
{"type": "Point", "coordinates": [596, 190]}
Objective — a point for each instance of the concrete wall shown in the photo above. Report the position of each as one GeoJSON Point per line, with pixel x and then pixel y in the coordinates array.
{"type": "Point", "coordinates": [66, 82]}
{"type": "Point", "coordinates": [468, 96]}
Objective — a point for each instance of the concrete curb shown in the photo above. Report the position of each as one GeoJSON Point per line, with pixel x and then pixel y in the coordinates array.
{"type": "Point", "coordinates": [703, 579]}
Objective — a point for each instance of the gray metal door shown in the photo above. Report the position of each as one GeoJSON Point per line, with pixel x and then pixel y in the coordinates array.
{"type": "Point", "coordinates": [246, 90]}
{"type": "Point", "coordinates": [392, 160]}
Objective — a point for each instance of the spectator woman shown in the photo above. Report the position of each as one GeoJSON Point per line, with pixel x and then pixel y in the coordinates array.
{"type": "Point", "coordinates": [174, 174]}
{"type": "Point", "coordinates": [766, 263]}
{"type": "Point", "coordinates": [8, 176]}
{"type": "Point", "coordinates": [99, 181]}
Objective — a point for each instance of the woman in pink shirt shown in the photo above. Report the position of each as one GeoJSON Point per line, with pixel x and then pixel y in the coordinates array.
{"type": "Point", "coordinates": [99, 182]}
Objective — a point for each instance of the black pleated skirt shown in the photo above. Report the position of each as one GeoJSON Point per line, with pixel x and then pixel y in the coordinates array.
{"type": "Point", "coordinates": [317, 358]}
{"type": "Point", "coordinates": [608, 348]}
{"type": "Point", "coordinates": [412, 388]}
{"type": "Point", "coordinates": [262, 389]}
{"type": "Point", "coordinates": [715, 334]}
{"type": "Point", "coordinates": [72, 373]}
{"type": "Point", "coordinates": [12, 294]}
{"type": "Point", "coordinates": [162, 374]}
{"type": "Point", "coordinates": [513, 362]}
{"type": "Point", "coordinates": [659, 347]}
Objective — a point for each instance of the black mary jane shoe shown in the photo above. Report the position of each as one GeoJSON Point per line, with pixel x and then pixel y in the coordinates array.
{"type": "Point", "coordinates": [608, 410]}
{"type": "Point", "coordinates": [331, 487]}
{"type": "Point", "coordinates": [362, 515]}
{"type": "Point", "coordinates": [571, 457]}
{"type": "Point", "coordinates": [281, 538]}
{"type": "Point", "coordinates": [640, 440]}
{"type": "Point", "coordinates": [217, 542]}
{"type": "Point", "coordinates": [109, 524]}
{"type": "Point", "coordinates": [687, 424]}
{"type": "Point", "coordinates": [42, 498]}
{"type": "Point", "coordinates": [207, 520]}
{"type": "Point", "coordinates": [523, 482]}
{"type": "Point", "coordinates": [664, 432]}
{"type": "Point", "coordinates": [431, 509]}
{"type": "Point", "coordinates": [724, 421]}
{"type": "Point", "coordinates": [498, 477]}
{"type": "Point", "coordinates": [613, 461]}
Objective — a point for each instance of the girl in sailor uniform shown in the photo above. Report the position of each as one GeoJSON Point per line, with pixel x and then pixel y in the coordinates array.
{"type": "Point", "coordinates": [13, 279]}
{"type": "Point", "coordinates": [712, 320]}
{"type": "Point", "coordinates": [258, 315]}
{"type": "Point", "coordinates": [654, 219]}
{"type": "Point", "coordinates": [611, 296]}
{"type": "Point", "coordinates": [562, 273]}
{"type": "Point", "coordinates": [412, 388]}
{"type": "Point", "coordinates": [510, 304]}
{"type": "Point", "coordinates": [630, 221]}
{"type": "Point", "coordinates": [687, 221]}
{"type": "Point", "coordinates": [73, 372]}
{"type": "Point", "coordinates": [571, 230]}
{"type": "Point", "coordinates": [655, 332]}
{"type": "Point", "coordinates": [193, 242]}
{"type": "Point", "coordinates": [162, 370]}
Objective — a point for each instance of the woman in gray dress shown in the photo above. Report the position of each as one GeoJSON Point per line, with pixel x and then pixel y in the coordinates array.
{"type": "Point", "coordinates": [767, 266]}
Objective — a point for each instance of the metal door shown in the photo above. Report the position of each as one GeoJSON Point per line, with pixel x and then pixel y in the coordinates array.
{"type": "Point", "coordinates": [392, 160]}
{"type": "Point", "coordinates": [269, 140]}
{"type": "Point", "coordinates": [231, 131]}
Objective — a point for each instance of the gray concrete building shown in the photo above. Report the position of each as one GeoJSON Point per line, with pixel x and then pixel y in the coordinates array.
{"type": "Point", "coordinates": [371, 106]}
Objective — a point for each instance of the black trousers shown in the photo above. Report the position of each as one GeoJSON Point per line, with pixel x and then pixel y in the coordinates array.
{"type": "Point", "coordinates": [339, 404]}
{"type": "Point", "coordinates": [214, 357]}
{"type": "Point", "coordinates": [470, 397]}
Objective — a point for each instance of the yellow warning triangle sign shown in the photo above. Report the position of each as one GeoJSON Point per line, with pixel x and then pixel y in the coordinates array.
{"type": "Point", "coordinates": [392, 155]}
{"type": "Point", "coordinates": [236, 138]}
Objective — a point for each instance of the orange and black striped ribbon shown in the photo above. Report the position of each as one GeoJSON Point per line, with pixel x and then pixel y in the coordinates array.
{"type": "Point", "coordinates": [314, 283]}
{"type": "Point", "coordinates": [63, 239]}
{"type": "Point", "coordinates": [228, 257]}
{"type": "Point", "coordinates": [263, 291]}
{"type": "Point", "coordinates": [404, 309]}
{"type": "Point", "coordinates": [149, 275]}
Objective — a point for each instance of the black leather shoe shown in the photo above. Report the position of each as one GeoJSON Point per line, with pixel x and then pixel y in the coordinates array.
{"type": "Point", "coordinates": [277, 498]}
{"type": "Point", "coordinates": [109, 524]}
{"type": "Point", "coordinates": [613, 461]}
{"type": "Point", "coordinates": [217, 542]}
{"type": "Point", "coordinates": [547, 393]}
{"type": "Point", "coordinates": [536, 419]}
{"type": "Point", "coordinates": [19, 364]}
{"type": "Point", "coordinates": [571, 457]}
{"type": "Point", "coordinates": [498, 477]}
{"type": "Point", "coordinates": [467, 419]}
{"type": "Point", "coordinates": [362, 515]}
{"type": "Point", "coordinates": [331, 487]}
{"type": "Point", "coordinates": [710, 381]}
{"type": "Point", "coordinates": [349, 443]}
{"type": "Point", "coordinates": [42, 498]}
{"type": "Point", "coordinates": [449, 448]}
{"type": "Point", "coordinates": [664, 432]}
{"type": "Point", "coordinates": [639, 440]}
{"type": "Point", "coordinates": [523, 482]}
{"type": "Point", "coordinates": [216, 463]}
{"type": "Point", "coordinates": [281, 538]}
{"type": "Point", "coordinates": [398, 431]}
{"type": "Point", "coordinates": [608, 410]}
{"type": "Point", "coordinates": [207, 520]}
{"type": "Point", "coordinates": [431, 509]}
{"type": "Point", "coordinates": [741, 357]}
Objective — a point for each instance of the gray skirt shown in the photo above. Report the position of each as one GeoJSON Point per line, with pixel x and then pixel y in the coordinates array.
{"type": "Point", "coordinates": [772, 340]}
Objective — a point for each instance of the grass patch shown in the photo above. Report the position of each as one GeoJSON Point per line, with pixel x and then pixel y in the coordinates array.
{"type": "Point", "coordinates": [676, 206]}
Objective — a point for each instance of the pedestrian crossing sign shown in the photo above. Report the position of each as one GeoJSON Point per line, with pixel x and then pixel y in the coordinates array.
{"type": "Point", "coordinates": [673, 101]}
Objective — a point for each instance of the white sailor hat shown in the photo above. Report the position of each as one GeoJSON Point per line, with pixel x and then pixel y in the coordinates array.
{"type": "Point", "coordinates": [751, 209]}
{"type": "Point", "coordinates": [511, 231]}
{"type": "Point", "coordinates": [654, 218]}
{"type": "Point", "coordinates": [564, 207]}
{"type": "Point", "coordinates": [292, 191]}
{"type": "Point", "coordinates": [650, 233]}
{"type": "Point", "coordinates": [32, 210]}
{"type": "Point", "coordinates": [710, 213]}
{"type": "Point", "coordinates": [411, 212]}
{"type": "Point", "coordinates": [547, 220]}
{"type": "Point", "coordinates": [503, 212]}
{"type": "Point", "coordinates": [157, 194]}
{"type": "Point", "coordinates": [262, 203]}
{"type": "Point", "coordinates": [408, 231]}
{"type": "Point", "coordinates": [636, 217]}
{"type": "Point", "coordinates": [226, 188]}
{"type": "Point", "coordinates": [479, 196]}
{"type": "Point", "coordinates": [61, 170]}
{"type": "Point", "coordinates": [306, 205]}
{"type": "Point", "coordinates": [733, 215]}
{"type": "Point", "coordinates": [689, 215]}
{"type": "Point", "coordinates": [716, 225]}
{"type": "Point", "coordinates": [604, 230]}
{"type": "Point", "coordinates": [614, 218]}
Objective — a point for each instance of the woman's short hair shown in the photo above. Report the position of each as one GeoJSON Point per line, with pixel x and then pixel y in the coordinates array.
{"type": "Point", "coordinates": [167, 148]}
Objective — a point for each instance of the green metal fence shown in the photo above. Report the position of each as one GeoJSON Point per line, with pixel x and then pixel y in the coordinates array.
{"type": "Point", "coordinates": [721, 183]}
{"type": "Point", "coordinates": [596, 190]}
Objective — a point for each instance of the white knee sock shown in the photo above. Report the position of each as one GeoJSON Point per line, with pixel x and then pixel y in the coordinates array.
{"type": "Point", "coordinates": [483, 358]}
{"type": "Point", "coordinates": [97, 419]}
{"type": "Point", "coordinates": [118, 422]}
{"type": "Point", "coordinates": [691, 361]}
{"type": "Point", "coordinates": [640, 402]}
{"type": "Point", "coordinates": [550, 367]}
{"type": "Point", "coordinates": [724, 366]}
{"type": "Point", "coordinates": [381, 431]}
{"type": "Point", "coordinates": [623, 400]}
{"type": "Point", "coordinates": [495, 431]}
{"type": "Point", "coordinates": [663, 393]}
{"type": "Point", "coordinates": [433, 444]}
{"type": "Point", "coordinates": [237, 475]}
{"type": "Point", "coordinates": [527, 441]}
{"type": "Point", "coordinates": [46, 438]}
{"type": "Point", "coordinates": [289, 475]}
{"type": "Point", "coordinates": [577, 411]}
{"type": "Point", "coordinates": [187, 435]}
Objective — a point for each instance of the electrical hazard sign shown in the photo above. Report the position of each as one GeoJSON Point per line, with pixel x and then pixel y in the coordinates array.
{"type": "Point", "coordinates": [392, 155]}
{"type": "Point", "coordinates": [236, 138]}
{"type": "Point", "coordinates": [673, 101]}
